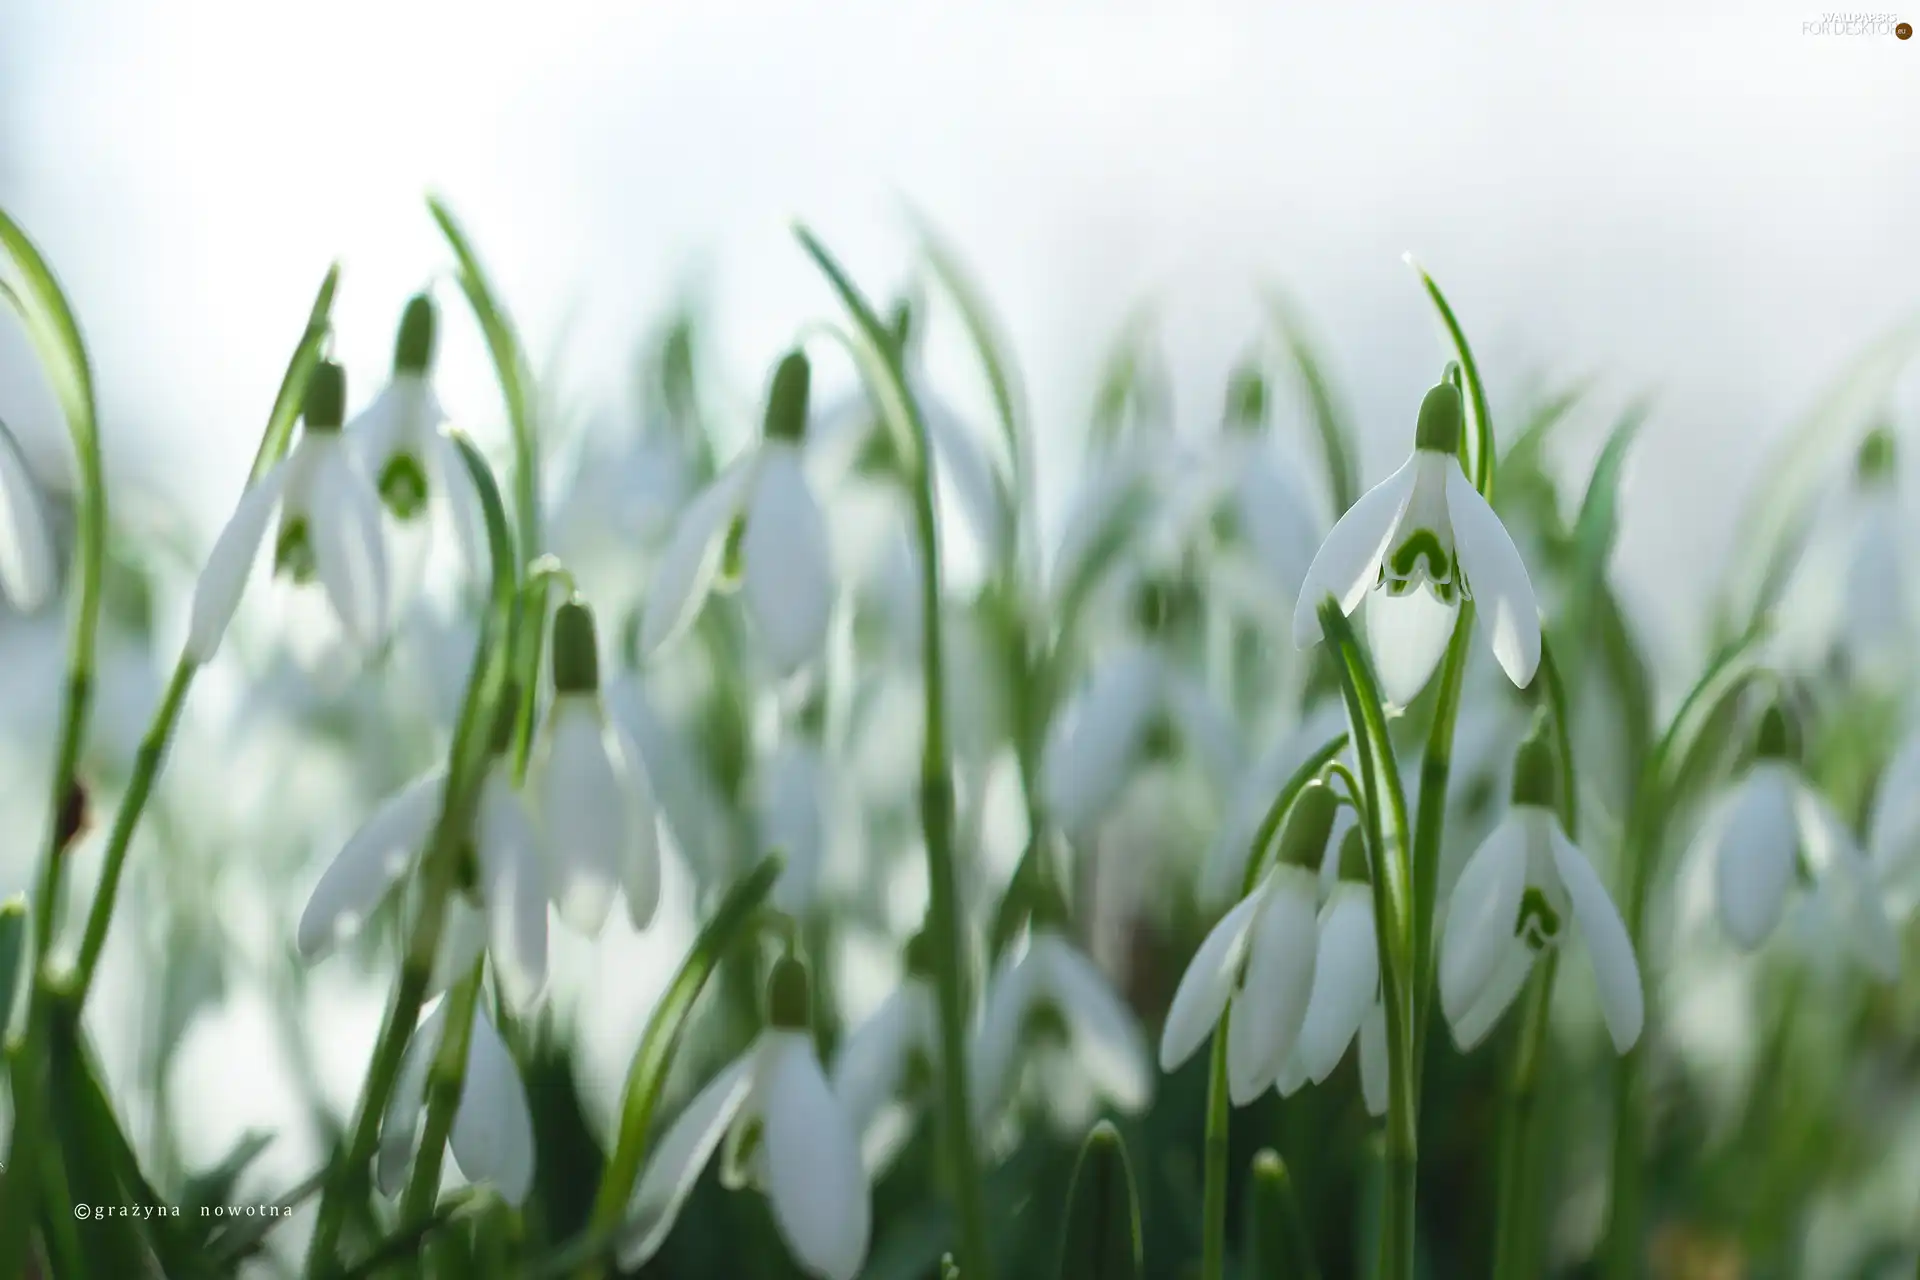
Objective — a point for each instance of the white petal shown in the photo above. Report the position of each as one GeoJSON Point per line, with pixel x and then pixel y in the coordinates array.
{"type": "Point", "coordinates": [1408, 634]}
{"type": "Point", "coordinates": [369, 864]}
{"type": "Point", "coordinates": [1893, 835]}
{"type": "Point", "coordinates": [217, 593]}
{"type": "Point", "coordinates": [1756, 855]}
{"type": "Point", "coordinates": [1374, 1067]}
{"type": "Point", "coordinates": [399, 1126]}
{"type": "Point", "coordinates": [1502, 986]}
{"type": "Point", "coordinates": [1481, 914]}
{"type": "Point", "coordinates": [27, 568]}
{"type": "Point", "coordinates": [993, 1055]}
{"type": "Point", "coordinates": [814, 1179]}
{"type": "Point", "coordinates": [1108, 1043]}
{"type": "Point", "coordinates": [492, 1136]}
{"type": "Point", "coordinates": [679, 1157]}
{"type": "Point", "coordinates": [791, 799]}
{"type": "Point", "coordinates": [514, 888]}
{"type": "Point", "coordinates": [1272, 1001]}
{"type": "Point", "coordinates": [786, 564]}
{"type": "Point", "coordinates": [462, 505]}
{"type": "Point", "coordinates": [1088, 757]}
{"type": "Point", "coordinates": [349, 549]}
{"type": "Point", "coordinates": [1346, 981]}
{"type": "Point", "coordinates": [1208, 984]}
{"type": "Point", "coordinates": [1206, 728]}
{"type": "Point", "coordinates": [871, 1062]}
{"type": "Point", "coordinates": [1348, 562]}
{"type": "Point", "coordinates": [583, 801]}
{"type": "Point", "coordinates": [1292, 1078]}
{"type": "Point", "coordinates": [958, 461]}
{"type": "Point", "coordinates": [640, 861]}
{"type": "Point", "coordinates": [1276, 517]}
{"type": "Point", "coordinates": [463, 941]}
{"type": "Point", "coordinates": [1502, 591]}
{"type": "Point", "coordinates": [1621, 1000]}
{"type": "Point", "coordinates": [687, 566]}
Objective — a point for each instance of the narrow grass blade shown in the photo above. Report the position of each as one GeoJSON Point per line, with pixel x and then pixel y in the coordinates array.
{"type": "Point", "coordinates": [1331, 420]}
{"type": "Point", "coordinates": [1101, 1239]}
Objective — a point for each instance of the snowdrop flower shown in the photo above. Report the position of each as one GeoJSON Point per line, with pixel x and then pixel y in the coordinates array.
{"type": "Point", "coordinates": [1258, 963]}
{"type": "Point", "coordinates": [1772, 831]}
{"type": "Point", "coordinates": [27, 568]}
{"type": "Point", "coordinates": [1050, 1009]}
{"type": "Point", "coordinates": [492, 1137]}
{"type": "Point", "coordinates": [1414, 546]}
{"type": "Point", "coordinates": [593, 800]}
{"type": "Point", "coordinates": [1513, 901]}
{"type": "Point", "coordinates": [1877, 611]}
{"type": "Point", "coordinates": [401, 439]}
{"type": "Point", "coordinates": [791, 803]}
{"type": "Point", "coordinates": [897, 1045]}
{"type": "Point", "coordinates": [761, 509]}
{"type": "Point", "coordinates": [791, 1134]}
{"type": "Point", "coordinates": [1346, 968]}
{"type": "Point", "coordinates": [329, 529]}
{"type": "Point", "coordinates": [501, 904]}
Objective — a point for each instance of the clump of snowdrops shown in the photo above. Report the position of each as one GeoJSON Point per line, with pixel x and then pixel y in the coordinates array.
{"type": "Point", "coordinates": [1244, 830]}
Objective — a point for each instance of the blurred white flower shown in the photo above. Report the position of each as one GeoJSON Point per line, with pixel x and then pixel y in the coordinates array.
{"type": "Point", "coordinates": [28, 572]}
{"type": "Point", "coordinates": [594, 803]}
{"type": "Point", "coordinates": [1770, 830]}
{"type": "Point", "coordinates": [1224, 870]}
{"type": "Point", "coordinates": [492, 1136]}
{"type": "Point", "coordinates": [790, 801]}
{"type": "Point", "coordinates": [1259, 962]}
{"type": "Point", "coordinates": [329, 528]}
{"type": "Point", "coordinates": [786, 566]}
{"type": "Point", "coordinates": [1050, 1008]}
{"type": "Point", "coordinates": [878, 1059]}
{"type": "Point", "coordinates": [1426, 538]}
{"type": "Point", "coordinates": [1893, 830]}
{"type": "Point", "coordinates": [1513, 902]}
{"type": "Point", "coordinates": [791, 1136]}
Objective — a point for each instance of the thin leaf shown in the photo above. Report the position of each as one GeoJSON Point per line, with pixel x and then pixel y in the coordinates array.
{"type": "Point", "coordinates": [1133, 385]}
{"type": "Point", "coordinates": [661, 1041]}
{"type": "Point", "coordinates": [1485, 451]}
{"type": "Point", "coordinates": [216, 1185]}
{"type": "Point", "coordinates": [1279, 1242]}
{"type": "Point", "coordinates": [1594, 531]}
{"type": "Point", "coordinates": [1331, 421]}
{"type": "Point", "coordinates": [1101, 1239]}
{"type": "Point", "coordinates": [15, 949]}
{"type": "Point", "coordinates": [293, 386]}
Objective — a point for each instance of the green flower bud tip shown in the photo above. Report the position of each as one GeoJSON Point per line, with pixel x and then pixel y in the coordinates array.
{"type": "Point", "coordinates": [789, 996]}
{"type": "Point", "coordinates": [787, 400]}
{"type": "Point", "coordinates": [1878, 456]}
{"type": "Point", "coordinates": [413, 347]}
{"type": "Point", "coordinates": [1247, 397]}
{"type": "Point", "coordinates": [576, 652]}
{"type": "Point", "coordinates": [1353, 856]}
{"type": "Point", "coordinates": [1303, 840]}
{"type": "Point", "coordinates": [1776, 737]}
{"type": "Point", "coordinates": [1440, 420]}
{"type": "Point", "coordinates": [1535, 778]}
{"type": "Point", "coordinates": [326, 403]}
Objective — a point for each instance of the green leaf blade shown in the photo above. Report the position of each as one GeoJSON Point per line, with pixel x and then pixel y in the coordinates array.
{"type": "Point", "coordinates": [1101, 1239]}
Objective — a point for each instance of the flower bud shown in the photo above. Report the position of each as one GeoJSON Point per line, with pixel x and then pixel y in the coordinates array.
{"type": "Point", "coordinates": [413, 346]}
{"type": "Point", "coordinates": [1536, 777]}
{"type": "Point", "coordinates": [1441, 417]}
{"type": "Point", "coordinates": [326, 402]}
{"type": "Point", "coordinates": [787, 399]}
{"type": "Point", "coordinates": [789, 996]}
{"type": "Point", "coordinates": [576, 653]}
{"type": "Point", "coordinates": [1303, 840]}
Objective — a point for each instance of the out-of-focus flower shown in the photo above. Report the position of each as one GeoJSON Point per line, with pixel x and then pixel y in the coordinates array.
{"type": "Point", "coordinates": [1893, 830]}
{"type": "Point", "coordinates": [1258, 963]}
{"type": "Point", "coordinates": [27, 569]}
{"type": "Point", "coordinates": [1225, 868]}
{"type": "Point", "coordinates": [1427, 540]}
{"type": "Point", "coordinates": [329, 529]}
{"type": "Point", "coordinates": [785, 566]}
{"type": "Point", "coordinates": [788, 1133]}
{"type": "Point", "coordinates": [595, 805]}
{"type": "Point", "coordinates": [1051, 1009]}
{"type": "Point", "coordinates": [1877, 630]}
{"type": "Point", "coordinates": [1771, 831]}
{"type": "Point", "coordinates": [402, 443]}
{"type": "Point", "coordinates": [897, 1043]}
{"type": "Point", "coordinates": [790, 800]}
{"type": "Point", "coordinates": [492, 1136]}
{"type": "Point", "coordinates": [1513, 901]}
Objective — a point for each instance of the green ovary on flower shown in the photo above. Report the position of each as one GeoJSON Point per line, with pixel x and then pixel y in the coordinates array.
{"type": "Point", "coordinates": [403, 486]}
{"type": "Point", "coordinates": [1538, 924]}
{"type": "Point", "coordinates": [293, 555]}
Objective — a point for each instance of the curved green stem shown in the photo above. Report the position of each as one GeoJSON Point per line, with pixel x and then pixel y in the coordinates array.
{"type": "Point", "coordinates": [886, 380]}
{"type": "Point", "coordinates": [1213, 1211]}
{"type": "Point", "coordinates": [444, 1081]}
{"type": "Point", "coordinates": [1430, 825]}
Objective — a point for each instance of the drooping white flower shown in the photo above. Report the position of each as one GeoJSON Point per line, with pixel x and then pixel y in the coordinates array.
{"type": "Point", "coordinates": [1258, 963]}
{"type": "Point", "coordinates": [790, 802]}
{"type": "Point", "coordinates": [595, 806]}
{"type": "Point", "coordinates": [1047, 1007]}
{"type": "Point", "coordinates": [786, 568]}
{"type": "Point", "coordinates": [492, 1136]}
{"type": "Point", "coordinates": [793, 1137]}
{"type": "Point", "coordinates": [329, 530]}
{"type": "Point", "coordinates": [402, 442]}
{"type": "Point", "coordinates": [501, 905]}
{"type": "Point", "coordinates": [888, 1057]}
{"type": "Point", "coordinates": [1413, 547]}
{"type": "Point", "coordinates": [1771, 831]}
{"type": "Point", "coordinates": [27, 568]}
{"type": "Point", "coordinates": [1513, 901]}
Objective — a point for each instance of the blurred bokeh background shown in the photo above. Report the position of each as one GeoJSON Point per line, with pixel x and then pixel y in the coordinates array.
{"type": "Point", "coordinates": [1707, 205]}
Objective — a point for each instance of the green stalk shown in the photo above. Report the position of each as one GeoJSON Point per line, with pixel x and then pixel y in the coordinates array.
{"type": "Point", "coordinates": [1385, 825]}
{"type": "Point", "coordinates": [886, 381]}
{"type": "Point", "coordinates": [1282, 1246]}
{"type": "Point", "coordinates": [444, 1081]}
{"type": "Point", "coordinates": [1436, 770]}
{"type": "Point", "coordinates": [439, 872]}
{"type": "Point", "coordinates": [56, 340]}
{"type": "Point", "coordinates": [1213, 1209]}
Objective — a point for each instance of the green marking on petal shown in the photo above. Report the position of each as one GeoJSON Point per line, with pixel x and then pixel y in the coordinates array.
{"type": "Point", "coordinates": [467, 873]}
{"type": "Point", "coordinates": [732, 561]}
{"type": "Point", "coordinates": [403, 486]}
{"type": "Point", "coordinates": [293, 551]}
{"type": "Point", "coordinates": [1423, 544]}
{"type": "Point", "coordinates": [740, 1153]}
{"type": "Point", "coordinates": [1538, 924]}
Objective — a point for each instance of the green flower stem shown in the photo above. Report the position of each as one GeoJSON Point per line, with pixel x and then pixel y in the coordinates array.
{"type": "Point", "coordinates": [439, 871]}
{"type": "Point", "coordinates": [886, 380]}
{"type": "Point", "coordinates": [1213, 1210]}
{"type": "Point", "coordinates": [1430, 825]}
{"type": "Point", "coordinates": [444, 1081]}
{"type": "Point", "coordinates": [1385, 826]}
{"type": "Point", "coordinates": [1281, 1243]}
